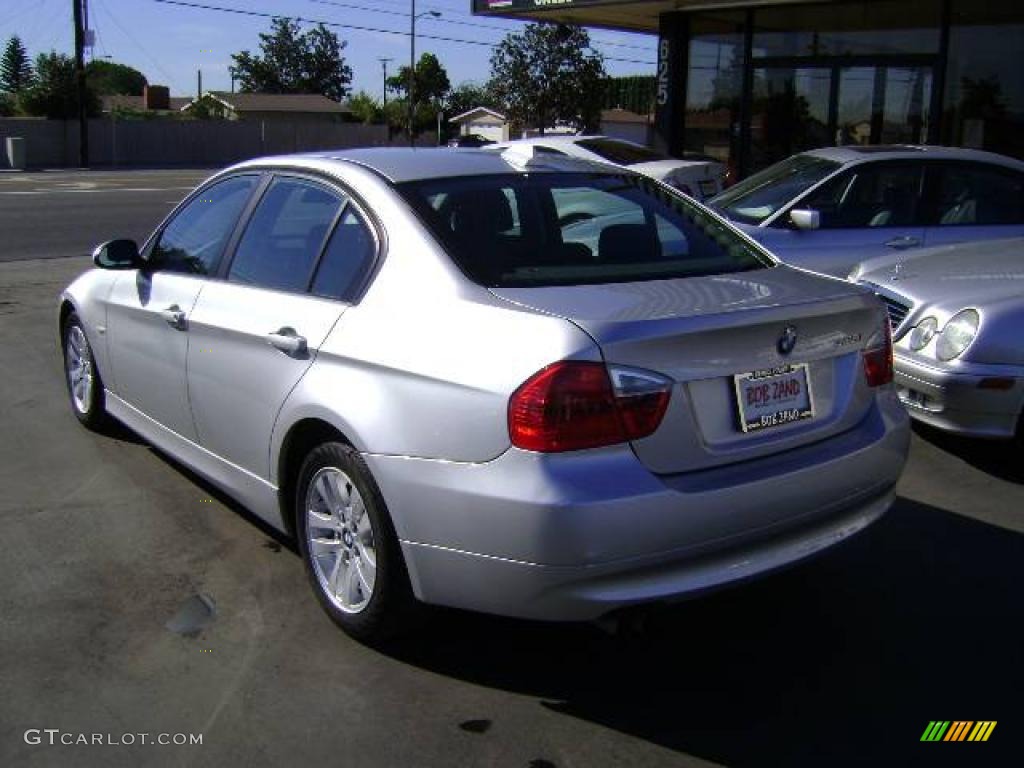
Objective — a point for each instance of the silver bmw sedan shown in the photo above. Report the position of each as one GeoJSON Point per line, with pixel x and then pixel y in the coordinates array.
{"type": "Point", "coordinates": [509, 382]}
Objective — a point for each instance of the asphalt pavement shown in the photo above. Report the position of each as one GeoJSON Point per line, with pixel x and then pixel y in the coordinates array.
{"type": "Point", "coordinates": [137, 600]}
{"type": "Point", "coordinates": [55, 214]}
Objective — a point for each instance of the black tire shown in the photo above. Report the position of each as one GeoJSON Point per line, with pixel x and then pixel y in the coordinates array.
{"type": "Point", "coordinates": [91, 410]}
{"type": "Point", "coordinates": [391, 609]}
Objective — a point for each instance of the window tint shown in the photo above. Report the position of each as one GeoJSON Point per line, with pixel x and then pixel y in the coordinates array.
{"type": "Point", "coordinates": [573, 229]}
{"type": "Point", "coordinates": [872, 195]}
{"type": "Point", "coordinates": [283, 238]}
{"type": "Point", "coordinates": [979, 195]}
{"type": "Point", "coordinates": [348, 255]}
{"type": "Point", "coordinates": [194, 240]}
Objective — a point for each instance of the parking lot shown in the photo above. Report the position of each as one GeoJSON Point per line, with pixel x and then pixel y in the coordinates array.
{"type": "Point", "coordinates": [841, 661]}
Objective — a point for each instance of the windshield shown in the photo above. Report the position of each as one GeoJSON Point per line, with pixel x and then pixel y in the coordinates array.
{"type": "Point", "coordinates": [575, 229]}
{"type": "Point", "coordinates": [620, 152]}
{"type": "Point", "coordinates": [755, 199]}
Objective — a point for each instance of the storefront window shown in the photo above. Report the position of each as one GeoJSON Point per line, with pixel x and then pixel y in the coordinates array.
{"type": "Point", "coordinates": [984, 104]}
{"type": "Point", "coordinates": [714, 86]}
{"type": "Point", "coordinates": [855, 29]}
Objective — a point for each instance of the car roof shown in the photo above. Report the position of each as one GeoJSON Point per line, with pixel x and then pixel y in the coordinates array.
{"type": "Point", "coordinates": [402, 164]}
{"type": "Point", "coordinates": [858, 154]}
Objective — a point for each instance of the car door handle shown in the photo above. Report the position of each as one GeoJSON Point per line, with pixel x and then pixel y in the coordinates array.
{"type": "Point", "coordinates": [899, 243]}
{"type": "Point", "coordinates": [174, 316]}
{"type": "Point", "coordinates": [288, 341]}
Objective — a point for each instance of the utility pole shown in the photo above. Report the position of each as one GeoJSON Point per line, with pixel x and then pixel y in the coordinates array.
{"type": "Point", "coordinates": [412, 71]}
{"type": "Point", "coordinates": [384, 65]}
{"type": "Point", "coordinates": [83, 123]}
{"type": "Point", "coordinates": [412, 64]}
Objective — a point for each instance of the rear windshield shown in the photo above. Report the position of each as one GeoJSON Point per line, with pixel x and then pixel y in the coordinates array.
{"type": "Point", "coordinates": [755, 199]}
{"type": "Point", "coordinates": [575, 229]}
{"type": "Point", "coordinates": [620, 152]}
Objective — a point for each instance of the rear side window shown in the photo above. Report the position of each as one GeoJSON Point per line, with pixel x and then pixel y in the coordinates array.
{"type": "Point", "coordinates": [284, 236]}
{"type": "Point", "coordinates": [971, 194]}
{"type": "Point", "coordinates": [576, 229]}
{"type": "Point", "coordinates": [620, 152]}
{"type": "Point", "coordinates": [193, 241]}
{"type": "Point", "coordinates": [349, 254]}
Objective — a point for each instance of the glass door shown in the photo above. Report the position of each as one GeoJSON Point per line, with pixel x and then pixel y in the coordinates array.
{"type": "Point", "coordinates": [790, 112]}
{"type": "Point", "coordinates": [795, 105]}
{"type": "Point", "coordinates": [883, 105]}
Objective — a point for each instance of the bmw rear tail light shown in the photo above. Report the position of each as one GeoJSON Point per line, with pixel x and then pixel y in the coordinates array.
{"type": "Point", "coordinates": [572, 405]}
{"type": "Point", "coordinates": [878, 362]}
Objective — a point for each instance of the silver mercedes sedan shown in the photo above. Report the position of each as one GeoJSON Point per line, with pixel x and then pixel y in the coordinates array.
{"type": "Point", "coordinates": [421, 365]}
{"type": "Point", "coordinates": [957, 313]}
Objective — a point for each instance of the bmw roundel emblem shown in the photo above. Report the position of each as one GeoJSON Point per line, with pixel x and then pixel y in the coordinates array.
{"type": "Point", "coordinates": [787, 340]}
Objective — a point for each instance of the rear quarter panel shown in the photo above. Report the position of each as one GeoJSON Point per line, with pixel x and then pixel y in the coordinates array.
{"type": "Point", "coordinates": [423, 365]}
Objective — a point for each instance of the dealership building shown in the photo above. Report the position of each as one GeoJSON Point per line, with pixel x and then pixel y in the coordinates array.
{"type": "Point", "coordinates": [753, 82]}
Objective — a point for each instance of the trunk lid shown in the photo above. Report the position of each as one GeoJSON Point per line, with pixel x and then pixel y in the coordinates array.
{"type": "Point", "coordinates": [704, 331]}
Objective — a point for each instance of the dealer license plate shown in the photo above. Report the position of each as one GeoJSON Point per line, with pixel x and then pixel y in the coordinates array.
{"type": "Point", "coordinates": [773, 397]}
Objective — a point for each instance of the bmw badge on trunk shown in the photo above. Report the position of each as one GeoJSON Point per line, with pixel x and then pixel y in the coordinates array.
{"type": "Point", "coordinates": [787, 340]}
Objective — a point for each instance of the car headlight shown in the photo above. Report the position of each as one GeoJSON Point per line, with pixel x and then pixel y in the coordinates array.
{"type": "Point", "coordinates": [923, 333]}
{"type": "Point", "coordinates": [958, 334]}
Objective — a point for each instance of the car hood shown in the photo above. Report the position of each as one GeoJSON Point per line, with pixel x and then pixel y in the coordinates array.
{"type": "Point", "coordinates": [953, 276]}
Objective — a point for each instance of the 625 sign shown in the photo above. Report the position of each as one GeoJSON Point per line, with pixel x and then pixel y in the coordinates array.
{"type": "Point", "coordinates": [664, 51]}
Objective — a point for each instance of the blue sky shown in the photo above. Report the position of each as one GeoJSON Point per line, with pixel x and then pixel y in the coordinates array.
{"type": "Point", "coordinates": [169, 43]}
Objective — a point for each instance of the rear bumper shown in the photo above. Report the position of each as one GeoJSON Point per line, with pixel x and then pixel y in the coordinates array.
{"type": "Point", "coordinates": [574, 536]}
{"type": "Point", "coordinates": [954, 401]}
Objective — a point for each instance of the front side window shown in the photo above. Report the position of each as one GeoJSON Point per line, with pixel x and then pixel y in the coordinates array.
{"type": "Point", "coordinates": [193, 242]}
{"type": "Point", "coordinates": [972, 194]}
{"type": "Point", "coordinates": [756, 198]}
{"type": "Point", "coordinates": [283, 239]}
{"type": "Point", "coordinates": [869, 195]}
{"type": "Point", "coordinates": [576, 229]}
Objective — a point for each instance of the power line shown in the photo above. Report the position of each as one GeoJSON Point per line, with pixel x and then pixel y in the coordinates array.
{"type": "Point", "coordinates": [127, 34]}
{"type": "Point", "coordinates": [356, 27]}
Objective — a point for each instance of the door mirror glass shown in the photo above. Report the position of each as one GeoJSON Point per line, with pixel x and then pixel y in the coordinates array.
{"type": "Point", "coordinates": [117, 254]}
{"type": "Point", "coordinates": [804, 218]}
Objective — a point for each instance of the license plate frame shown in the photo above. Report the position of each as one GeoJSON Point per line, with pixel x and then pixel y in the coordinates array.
{"type": "Point", "coordinates": [792, 407]}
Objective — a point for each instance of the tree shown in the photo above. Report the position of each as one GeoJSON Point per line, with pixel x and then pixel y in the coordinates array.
{"type": "Point", "coordinates": [469, 96]}
{"type": "Point", "coordinates": [53, 92]}
{"type": "Point", "coordinates": [294, 61]}
{"type": "Point", "coordinates": [15, 67]}
{"type": "Point", "coordinates": [465, 97]}
{"type": "Point", "coordinates": [633, 92]}
{"type": "Point", "coordinates": [549, 74]}
{"type": "Point", "coordinates": [432, 83]}
{"type": "Point", "coordinates": [108, 77]}
{"type": "Point", "coordinates": [432, 86]}
{"type": "Point", "coordinates": [366, 109]}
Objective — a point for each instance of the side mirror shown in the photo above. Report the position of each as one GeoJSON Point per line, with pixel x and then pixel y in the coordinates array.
{"type": "Point", "coordinates": [804, 218]}
{"type": "Point", "coordinates": [117, 254]}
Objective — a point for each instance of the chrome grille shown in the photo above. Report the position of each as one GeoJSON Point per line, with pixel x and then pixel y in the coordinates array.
{"type": "Point", "coordinates": [897, 310]}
